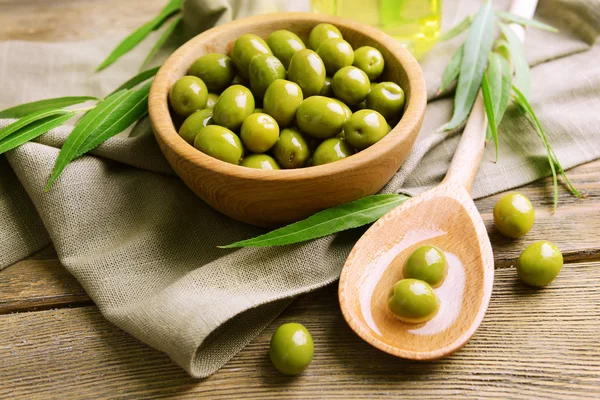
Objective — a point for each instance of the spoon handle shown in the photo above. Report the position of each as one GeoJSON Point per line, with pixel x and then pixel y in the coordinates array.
{"type": "Point", "coordinates": [466, 160]}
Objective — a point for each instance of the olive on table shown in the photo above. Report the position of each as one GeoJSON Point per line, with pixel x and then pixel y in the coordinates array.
{"type": "Point", "coordinates": [216, 70]}
{"type": "Point", "coordinates": [413, 301]}
{"type": "Point", "coordinates": [331, 150]}
{"type": "Point", "coordinates": [427, 263]}
{"type": "Point", "coordinates": [291, 149]}
{"type": "Point", "coordinates": [322, 32]}
{"type": "Point", "coordinates": [259, 132]}
{"type": "Point", "coordinates": [514, 215]}
{"type": "Point", "coordinates": [233, 106]}
{"type": "Point", "coordinates": [336, 54]}
{"type": "Point", "coordinates": [260, 161]}
{"type": "Point", "coordinates": [188, 95]}
{"type": "Point", "coordinates": [281, 101]}
{"type": "Point", "coordinates": [387, 98]}
{"type": "Point", "coordinates": [264, 69]}
{"type": "Point", "coordinates": [211, 100]}
{"type": "Point", "coordinates": [370, 60]}
{"type": "Point", "coordinates": [320, 117]}
{"type": "Point", "coordinates": [284, 44]}
{"type": "Point", "coordinates": [220, 143]}
{"type": "Point", "coordinates": [308, 71]}
{"type": "Point", "coordinates": [194, 123]}
{"type": "Point", "coordinates": [540, 263]}
{"type": "Point", "coordinates": [291, 349]}
{"type": "Point", "coordinates": [327, 91]}
{"type": "Point", "coordinates": [350, 85]}
{"type": "Point", "coordinates": [246, 47]}
{"type": "Point", "coordinates": [365, 128]}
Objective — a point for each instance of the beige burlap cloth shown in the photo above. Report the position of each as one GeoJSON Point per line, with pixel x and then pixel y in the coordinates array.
{"type": "Point", "coordinates": [144, 246]}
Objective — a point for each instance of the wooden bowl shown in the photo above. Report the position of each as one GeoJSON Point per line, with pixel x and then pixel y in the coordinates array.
{"type": "Point", "coordinates": [274, 198]}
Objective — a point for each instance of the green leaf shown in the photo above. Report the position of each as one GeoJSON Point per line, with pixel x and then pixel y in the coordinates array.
{"type": "Point", "coordinates": [136, 80]}
{"type": "Point", "coordinates": [499, 76]}
{"type": "Point", "coordinates": [517, 55]}
{"type": "Point", "coordinates": [129, 110]}
{"type": "Point", "coordinates": [335, 219]}
{"type": "Point", "coordinates": [489, 110]}
{"type": "Point", "coordinates": [457, 29]}
{"type": "Point", "coordinates": [474, 60]}
{"type": "Point", "coordinates": [82, 130]}
{"type": "Point", "coordinates": [510, 17]}
{"type": "Point", "coordinates": [501, 47]}
{"type": "Point", "coordinates": [552, 159]}
{"type": "Point", "coordinates": [28, 119]}
{"type": "Point", "coordinates": [162, 40]}
{"type": "Point", "coordinates": [139, 34]}
{"type": "Point", "coordinates": [33, 130]}
{"type": "Point", "coordinates": [30, 108]}
{"type": "Point", "coordinates": [451, 72]}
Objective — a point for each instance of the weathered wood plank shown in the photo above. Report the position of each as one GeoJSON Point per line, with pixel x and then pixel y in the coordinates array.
{"type": "Point", "coordinates": [43, 20]}
{"type": "Point", "coordinates": [532, 344]}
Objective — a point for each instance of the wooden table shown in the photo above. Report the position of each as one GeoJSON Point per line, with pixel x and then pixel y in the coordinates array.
{"type": "Point", "coordinates": [534, 343]}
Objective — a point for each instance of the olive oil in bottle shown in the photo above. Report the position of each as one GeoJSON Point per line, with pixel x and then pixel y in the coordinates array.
{"type": "Point", "coordinates": [415, 23]}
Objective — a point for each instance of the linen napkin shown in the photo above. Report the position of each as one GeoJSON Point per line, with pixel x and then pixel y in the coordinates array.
{"type": "Point", "coordinates": [144, 246]}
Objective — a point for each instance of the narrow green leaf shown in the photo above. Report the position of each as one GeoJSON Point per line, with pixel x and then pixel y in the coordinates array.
{"type": "Point", "coordinates": [28, 119]}
{"type": "Point", "coordinates": [162, 40]}
{"type": "Point", "coordinates": [510, 17]}
{"type": "Point", "coordinates": [517, 55]}
{"type": "Point", "coordinates": [139, 34]}
{"type": "Point", "coordinates": [499, 77]}
{"type": "Point", "coordinates": [474, 60]}
{"type": "Point", "coordinates": [451, 72]}
{"type": "Point", "coordinates": [136, 80]}
{"type": "Point", "coordinates": [489, 110]}
{"type": "Point", "coordinates": [129, 110]}
{"type": "Point", "coordinates": [552, 158]}
{"type": "Point", "coordinates": [82, 130]}
{"type": "Point", "coordinates": [332, 220]}
{"type": "Point", "coordinates": [30, 108]}
{"type": "Point", "coordinates": [457, 29]}
{"type": "Point", "coordinates": [33, 130]}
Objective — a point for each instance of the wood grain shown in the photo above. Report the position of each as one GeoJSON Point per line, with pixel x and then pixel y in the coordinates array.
{"type": "Point", "coordinates": [550, 353]}
{"type": "Point", "coordinates": [273, 198]}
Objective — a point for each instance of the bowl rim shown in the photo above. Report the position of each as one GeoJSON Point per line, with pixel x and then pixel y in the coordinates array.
{"type": "Point", "coordinates": [414, 111]}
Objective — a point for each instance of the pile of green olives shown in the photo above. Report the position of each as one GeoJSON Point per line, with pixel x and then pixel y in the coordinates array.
{"type": "Point", "coordinates": [277, 104]}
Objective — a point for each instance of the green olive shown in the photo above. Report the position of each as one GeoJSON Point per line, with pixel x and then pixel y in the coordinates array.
{"type": "Point", "coordinates": [258, 110]}
{"type": "Point", "coordinates": [387, 98]}
{"type": "Point", "coordinates": [246, 47]}
{"type": "Point", "coordinates": [211, 100]}
{"type": "Point", "coordinates": [514, 215]}
{"type": "Point", "coordinates": [194, 123]}
{"type": "Point", "coordinates": [220, 143]}
{"type": "Point", "coordinates": [331, 150]}
{"type": "Point", "coordinates": [260, 161]}
{"type": "Point", "coordinates": [350, 85]}
{"type": "Point", "coordinates": [291, 150]}
{"type": "Point", "coordinates": [216, 70]}
{"type": "Point", "coordinates": [259, 132]}
{"type": "Point", "coordinates": [327, 91]}
{"type": "Point", "coordinates": [284, 45]}
{"type": "Point", "coordinates": [320, 117]}
{"type": "Point", "coordinates": [365, 128]}
{"type": "Point", "coordinates": [233, 106]}
{"type": "Point", "coordinates": [336, 54]}
{"type": "Point", "coordinates": [281, 101]}
{"type": "Point", "coordinates": [370, 60]}
{"type": "Point", "coordinates": [539, 263]}
{"type": "Point", "coordinates": [264, 69]}
{"type": "Point", "coordinates": [308, 71]}
{"type": "Point", "coordinates": [291, 349]}
{"type": "Point", "coordinates": [413, 301]}
{"type": "Point", "coordinates": [188, 95]}
{"type": "Point", "coordinates": [427, 263]}
{"type": "Point", "coordinates": [322, 32]}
